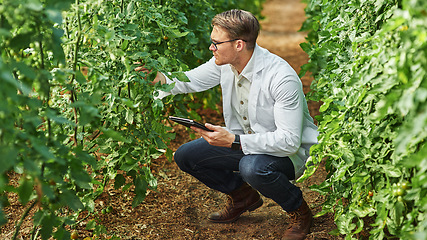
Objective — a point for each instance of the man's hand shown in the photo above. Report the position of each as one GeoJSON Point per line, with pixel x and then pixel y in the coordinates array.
{"type": "Point", "coordinates": [220, 137]}
{"type": "Point", "coordinates": [159, 77]}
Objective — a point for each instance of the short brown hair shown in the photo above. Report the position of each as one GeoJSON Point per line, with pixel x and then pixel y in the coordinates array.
{"type": "Point", "coordinates": [239, 24]}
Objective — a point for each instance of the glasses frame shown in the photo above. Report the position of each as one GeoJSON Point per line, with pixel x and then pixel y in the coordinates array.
{"type": "Point", "coordinates": [218, 43]}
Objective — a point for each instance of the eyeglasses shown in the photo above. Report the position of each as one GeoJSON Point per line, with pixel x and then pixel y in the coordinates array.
{"type": "Point", "coordinates": [218, 43]}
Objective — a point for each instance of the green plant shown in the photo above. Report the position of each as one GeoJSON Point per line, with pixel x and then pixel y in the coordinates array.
{"type": "Point", "coordinates": [74, 113]}
{"type": "Point", "coordinates": [369, 63]}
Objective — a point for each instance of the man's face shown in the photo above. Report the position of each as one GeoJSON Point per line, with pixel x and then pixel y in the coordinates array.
{"type": "Point", "coordinates": [224, 53]}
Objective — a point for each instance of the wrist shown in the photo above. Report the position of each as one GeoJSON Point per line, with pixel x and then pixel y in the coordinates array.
{"type": "Point", "coordinates": [236, 145]}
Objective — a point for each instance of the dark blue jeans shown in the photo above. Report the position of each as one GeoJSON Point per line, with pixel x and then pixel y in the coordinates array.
{"type": "Point", "coordinates": [225, 170]}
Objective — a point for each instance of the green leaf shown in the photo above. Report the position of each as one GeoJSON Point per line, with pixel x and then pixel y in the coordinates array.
{"type": "Point", "coordinates": [119, 181]}
{"type": "Point", "coordinates": [159, 143]}
{"type": "Point", "coordinates": [129, 103]}
{"type": "Point", "coordinates": [54, 15]}
{"type": "Point", "coordinates": [61, 233]}
{"type": "Point", "coordinates": [322, 188]}
{"type": "Point", "coordinates": [34, 5]}
{"type": "Point", "coordinates": [166, 87]}
{"type": "Point", "coordinates": [114, 135]}
{"type": "Point", "coordinates": [42, 150]}
{"type": "Point", "coordinates": [345, 223]}
{"type": "Point", "coordinates": [81, 177]}
{"type": "Point", "coordinates": [140, 191]}
{"type": "Point", "coordinates": [51, 114]}
{"type": "Point", "coordinates": [390, 170]}
{"type": "Point", "coordinates": [129, 116]}
{"type": "Point", "coordinates": [22, 40]}
{"type": "Point", "coordinates": [180, 76]}
{"type": "Point", "coordinates": [325, 105]}
{"type": "Point", "coordinates": [140, 55]}
{"type": "Point", "coordinates": [169, 154]}
{"type": "Point", "coordinates": [334, 232]}
{"type": "Point", "coordinates": [126, 38]}
{"type": "Point", "coordinates": [8, 159]}
{"type": "Point", "coordinates": [91, 225]}
{"type": "Point", "coordinates": [130, 7]}
{"type": "Point", "coordinates": [183, 19]}
{"type": "Point", "coordinates": [25, 70]}
{"type": "Point", "coordinates": [177, 34]}
{"type": "Point", "coordinates": [80, 77]}
{"type": "Point", "coordinates": [69, 198]}
{"type": "Point", "coordinates": [162, 60]}
{"type": "Point", "coordinates": [58, 51]}
{"type": "Point", "coordinates": [363, 211]}
{"type": "Point", "coordinates": [157, 105]}
{"type": "Point", "coordinates": [48, 223]}
{"type": "Point", "coordinates": [25, 190]}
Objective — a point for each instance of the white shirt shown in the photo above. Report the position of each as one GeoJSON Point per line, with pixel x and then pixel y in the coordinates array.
{"type": "Point", "coordinates": [239, 102]}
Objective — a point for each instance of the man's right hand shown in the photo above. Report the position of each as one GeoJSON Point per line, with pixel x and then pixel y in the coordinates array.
{"type": "Point", "coordinates": [159, 77]}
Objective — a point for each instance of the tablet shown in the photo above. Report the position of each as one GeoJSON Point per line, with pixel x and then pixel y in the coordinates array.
{"type": "Point", "coordinates": [188, 123]}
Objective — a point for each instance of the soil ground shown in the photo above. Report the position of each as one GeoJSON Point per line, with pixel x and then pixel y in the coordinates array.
{"type": "Point", "coordinates": [179, 208]}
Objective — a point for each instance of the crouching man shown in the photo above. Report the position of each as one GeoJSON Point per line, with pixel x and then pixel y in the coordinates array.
{"type": "Point", "coordinates": [268, 129]}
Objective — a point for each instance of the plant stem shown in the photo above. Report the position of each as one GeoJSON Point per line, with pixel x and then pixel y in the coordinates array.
{"type": "Point", "coordinates": [76, 50]}
{"type": "Point", "coordinates": [49, 130]}
{"type": "Point", "coordinates": [118, 94]}
{"type": "Point", "coordinates": [83, 131]}
{"type": "Point", "coordinates": [18, 226]}
{"type": "Point", "coordinates": [82, 220]}
{"type": "Point", "coordinates": [41, 48]}
{"type": "Point", "coordinates": [35, 232]}
{"type": "Point", "coordinates": [372, 181]}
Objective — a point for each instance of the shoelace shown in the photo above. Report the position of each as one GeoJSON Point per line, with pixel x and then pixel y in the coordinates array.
{"type": "Point", "coordinates": [230, 203]}
{"type": "Point", "coordinates": [293, 219]}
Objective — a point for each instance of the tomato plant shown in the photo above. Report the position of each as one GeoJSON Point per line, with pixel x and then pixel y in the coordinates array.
{"type": "Point", "coordinates": [75, 114]}
{"type": "Point", "coordinates": [369, 63]}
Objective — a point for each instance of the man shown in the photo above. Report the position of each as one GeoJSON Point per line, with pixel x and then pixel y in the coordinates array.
{"type": "Point", "coordinates": [268, 132]}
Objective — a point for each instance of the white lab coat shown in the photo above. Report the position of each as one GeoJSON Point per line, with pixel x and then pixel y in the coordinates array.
{"type": "Point", "coordinates": [277, 108]}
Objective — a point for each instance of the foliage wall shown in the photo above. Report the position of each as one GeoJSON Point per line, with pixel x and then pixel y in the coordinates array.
{"type": "Point", "coordinates": [369, 62]}
{"type": "Point", "coordinates": [74, 114]}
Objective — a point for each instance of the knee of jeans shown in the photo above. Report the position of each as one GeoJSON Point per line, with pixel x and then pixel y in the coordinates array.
{"type": "Point", "coordinates": [252, 172]}
{"type": "Point", "coordinates": [180, 157]}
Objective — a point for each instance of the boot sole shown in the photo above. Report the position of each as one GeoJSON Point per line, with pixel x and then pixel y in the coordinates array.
{"type": "Point", "coordinates": [251, 208]}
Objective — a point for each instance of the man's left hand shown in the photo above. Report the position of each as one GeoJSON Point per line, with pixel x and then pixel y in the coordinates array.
{"type": "Point", "coordinates": [220, 137]}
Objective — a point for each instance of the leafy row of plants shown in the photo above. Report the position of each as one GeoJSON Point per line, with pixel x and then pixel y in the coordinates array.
{"type": "Point", "coordinates": [369, 63]}
{"type": "Point", "coordinates": [74, 113]}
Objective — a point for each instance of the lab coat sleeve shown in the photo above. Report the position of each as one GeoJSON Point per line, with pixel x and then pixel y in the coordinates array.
{"type": "Point", "coordinates": [204, 77]}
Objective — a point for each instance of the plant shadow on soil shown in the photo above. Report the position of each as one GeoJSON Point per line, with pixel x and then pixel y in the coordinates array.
{"type": "Point", "coordinates": [178, 209]}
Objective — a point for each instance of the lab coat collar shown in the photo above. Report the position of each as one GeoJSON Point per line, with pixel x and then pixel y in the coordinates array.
{"type": "Point", "coordinates": [254, 65]}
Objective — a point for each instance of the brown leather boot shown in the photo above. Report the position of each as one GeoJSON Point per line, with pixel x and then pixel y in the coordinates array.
{"type": "Point", "coordinates": [300, 223]}
{"type": "Point", "coordinates": [239, 201]}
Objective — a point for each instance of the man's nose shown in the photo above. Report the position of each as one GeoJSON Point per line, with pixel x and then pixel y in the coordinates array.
{"type": "Point", "coordinates": [212, 47]}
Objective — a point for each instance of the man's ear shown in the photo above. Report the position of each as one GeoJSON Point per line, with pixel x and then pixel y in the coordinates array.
{"type": "Point", "coordinates": [240, 45]}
